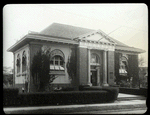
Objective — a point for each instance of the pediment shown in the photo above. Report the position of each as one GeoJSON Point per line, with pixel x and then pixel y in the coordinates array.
{"type": "Point", "coordinates": [96, 37]}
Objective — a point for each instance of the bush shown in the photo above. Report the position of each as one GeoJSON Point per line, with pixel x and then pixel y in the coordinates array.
{"type": "Point", "coordinates": [63, 98]}
{"type": "Point", "coordinates": [67, 89]}
{"type": "Point", "coordinates": [112, 91]}
{"type": "Point", "coordinates": [10, 96]}
{"type": "Point", "coordinates": [66, 96]}
{"type": "Point", "coordinates": [134, 91]}
{"type": "Point", "coordinates": [81, 87]}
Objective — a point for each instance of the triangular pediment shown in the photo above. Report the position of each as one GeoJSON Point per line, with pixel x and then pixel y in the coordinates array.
{"type": "Point", "coordinates": [96, 37]}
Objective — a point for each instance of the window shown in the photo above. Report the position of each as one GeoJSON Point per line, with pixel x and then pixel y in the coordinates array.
{"type": "Point", "coordinates": [94, 59]}
{"type": "Point", "coordinates": [57, 63]}
{"type": "Point", "coordinates": [18, 63]}
{"type": "Point", "coordinates": [24, 61]}
{"type": "Point", "coordinates": [123, 66]}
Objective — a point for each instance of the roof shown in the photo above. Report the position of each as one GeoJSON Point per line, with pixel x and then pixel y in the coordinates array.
{"type": "Point", "coordinates": [32, 37]}
{"type": "Point", "coordinates": [131, 49]}
{"type": "Point", "coordinates": [66, 34]}
{"type": "Point", "coordinates": [71, 32]}
{"type": "Point", "coordinates": [65, 31]}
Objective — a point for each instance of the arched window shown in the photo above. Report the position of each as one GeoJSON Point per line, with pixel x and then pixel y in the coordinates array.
{"type": "Point", "coordinates": [24, 61]}
{"type": "Point", "coordinates": [18, 63]}
{"type": "Point", "coordinates": [94, 59]}
{"type": "Point", "coordinates": [57, 60]}
{"type": "Point", "coordinates": [57, 63]}
{"type": "Point", "coordinates": [123, 66]}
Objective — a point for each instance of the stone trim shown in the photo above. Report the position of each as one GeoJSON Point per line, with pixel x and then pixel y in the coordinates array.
{"type": "Point", "coordinates": [91, 45]}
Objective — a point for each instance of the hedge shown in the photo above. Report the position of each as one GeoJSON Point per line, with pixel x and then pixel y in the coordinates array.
{"type": "Point", "coordinates": [61, 98]}
{"type": "Point", "coordinates": [10, 96]}
{"type": "Point", "coordinates": [112, 91]}
{"type": "Point", "coordinates": [135, 91]}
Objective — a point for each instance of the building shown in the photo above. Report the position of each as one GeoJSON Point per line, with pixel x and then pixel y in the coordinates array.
{"type": "Point", "coordinates": [100, 59]}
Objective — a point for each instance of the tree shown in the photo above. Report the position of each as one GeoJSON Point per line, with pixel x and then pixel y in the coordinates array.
{"type": "Point", "coordinates": [7, 76]}
{"type": "Point", "coordinates": [71, 67]}
{"type": "Point", "coordinates": [40, 69]}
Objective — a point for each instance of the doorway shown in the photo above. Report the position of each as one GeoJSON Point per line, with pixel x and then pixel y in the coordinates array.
{"type": "Point", "coordinates": [94, 78]}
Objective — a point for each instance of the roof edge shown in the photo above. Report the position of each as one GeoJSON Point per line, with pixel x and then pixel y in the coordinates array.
{"type": "Point", "coordinates": [131, 49]}
{"type": "Point", "coordinates": [9, 49]}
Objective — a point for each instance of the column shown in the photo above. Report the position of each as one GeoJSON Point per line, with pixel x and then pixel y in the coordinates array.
{"type": "Point", "coordinates": [105, 68]}
{"type": "Point", "coordinates": [98, 76]}
{"type": "Point", "coordinates": [89, 67]}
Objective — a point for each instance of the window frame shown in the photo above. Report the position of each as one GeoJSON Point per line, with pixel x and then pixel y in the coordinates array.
{"type": "Point", "coordinates": [53, 60]}
{"type": "Point", "coordinates": [123, 67]}
{"type": "Point", "coordinates": [18, 64]}
{"type": "Point", "coordinates": [24, 62]}
{"type": "Point", "coordinates": [97, 59]}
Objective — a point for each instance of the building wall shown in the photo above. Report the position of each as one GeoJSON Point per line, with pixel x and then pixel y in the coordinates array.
{"type": "Point", "coordinates": [82, 60]}
{"type": "Point", "coordinates": [65, 48]}
{"type": "Point", "coordinates": [110, 67]}
{"type": "Point", "coordinates": [19, 78]}
{"type": "Point", "coordinates": [132, 67]}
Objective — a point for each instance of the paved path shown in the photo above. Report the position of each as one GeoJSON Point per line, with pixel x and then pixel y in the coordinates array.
{"type": "Point", "coordinates": [133, 103]}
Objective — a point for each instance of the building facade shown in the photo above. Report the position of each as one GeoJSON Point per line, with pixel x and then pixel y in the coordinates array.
{"type": "Point", "coordinates": [99, 59]}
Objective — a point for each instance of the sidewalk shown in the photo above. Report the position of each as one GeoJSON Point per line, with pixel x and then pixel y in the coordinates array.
{"type": "Point", "coordinates": [124, 101]}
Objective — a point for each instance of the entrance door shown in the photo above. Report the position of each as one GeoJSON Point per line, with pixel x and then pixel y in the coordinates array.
{"type": "Point", "coordinates": [94, 78]}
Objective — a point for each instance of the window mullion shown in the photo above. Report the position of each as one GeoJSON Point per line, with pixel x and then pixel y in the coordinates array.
{"type": "Point", "coordinates": [59, 63]}
{"type": "Point", "coordinates": [54, 63]}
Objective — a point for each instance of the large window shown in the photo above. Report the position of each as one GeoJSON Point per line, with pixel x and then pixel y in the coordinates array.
{"type": "Point", "coordinates": [123, 66]}
{"type": "Point", "coordinates": [18, 63]}
{"type": "Point", "coordinates": [57, 63]}
{"type": "Point", "coordinates": [24, 61]}
{"type": "Point", "coordinates": [94, 59]}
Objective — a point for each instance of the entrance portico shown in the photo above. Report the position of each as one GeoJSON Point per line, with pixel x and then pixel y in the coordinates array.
{"type": "Point", "coordinates": [97, 60]}
{"type": "Point", "coordinates": [97, 67]}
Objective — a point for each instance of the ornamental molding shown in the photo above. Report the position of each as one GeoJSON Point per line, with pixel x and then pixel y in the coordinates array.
{"type": "Point", "coordinates": [102, 37]}
{"type": "Point", "coordinates": [105, 47]}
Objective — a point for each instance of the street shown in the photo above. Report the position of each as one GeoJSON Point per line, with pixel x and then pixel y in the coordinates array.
{"type": "Point", "coordinates": [123, 111]}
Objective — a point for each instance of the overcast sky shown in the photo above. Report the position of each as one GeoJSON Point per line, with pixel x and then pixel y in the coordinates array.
{"type": "Point", "coordinates": [130, 22]}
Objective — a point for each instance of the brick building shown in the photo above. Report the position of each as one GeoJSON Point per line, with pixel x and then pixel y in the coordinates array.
{"type": "Point", "coordinates": [100, 59]}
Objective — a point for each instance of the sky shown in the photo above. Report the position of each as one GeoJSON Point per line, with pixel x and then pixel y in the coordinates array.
{"type": "Point", "coordinates": [127, 23]}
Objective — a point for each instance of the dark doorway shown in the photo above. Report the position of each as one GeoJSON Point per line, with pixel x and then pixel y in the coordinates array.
{"type": "Point", "coordinates": [94, 78]}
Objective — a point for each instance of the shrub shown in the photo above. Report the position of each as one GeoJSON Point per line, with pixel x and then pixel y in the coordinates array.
{"type": "Point", "coordinates": [112, 91]}
{"type": "Point", "coordinates": [62, 98]}
{"type": "Point", "coordinates": [10, 96]}
{"type": "Point", "coordinates": [135, 91]}
{"type": "Point", "coordinates": [66, 96]}
{"type": "Point", "coordinates": [67, 89]}
{"type": "Point", "coordinates": [81, 87]}
{"type": "Point", "coordinates": [56, 98]}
